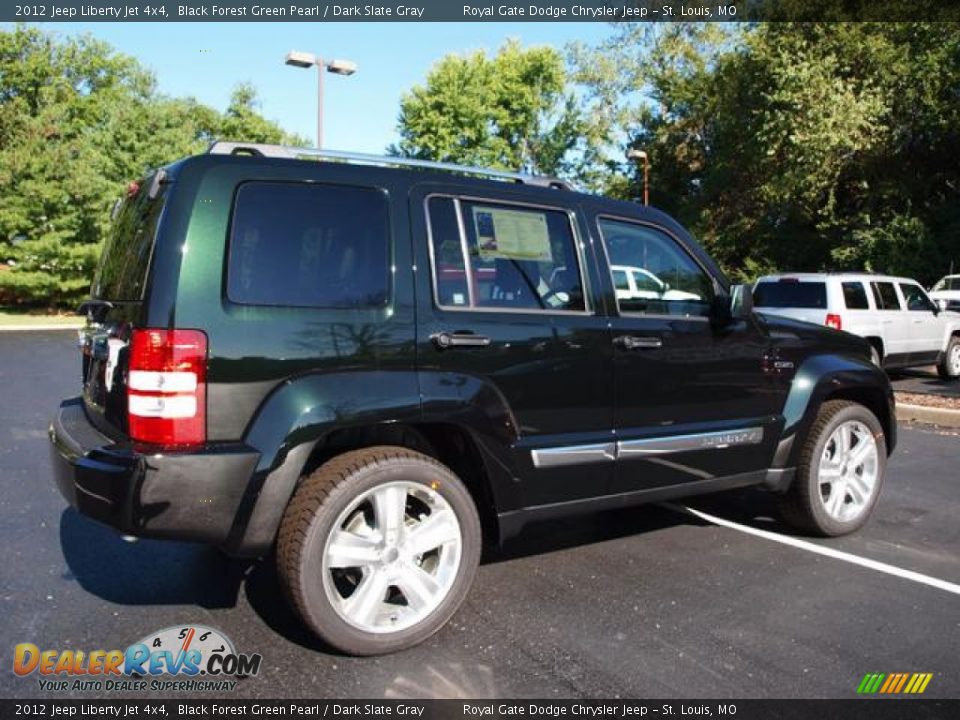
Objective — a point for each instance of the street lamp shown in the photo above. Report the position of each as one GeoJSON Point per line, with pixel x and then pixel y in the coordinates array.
{"type": "Point", "coordinates": [633, 154]}
{"type": "Point", "coordinates": [295, 58]}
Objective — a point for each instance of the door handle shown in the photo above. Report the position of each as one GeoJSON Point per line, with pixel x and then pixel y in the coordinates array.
{"type": "Point", "coordinates": [445, 340]}
{"type": "Point", "coordinates": [634, 342]}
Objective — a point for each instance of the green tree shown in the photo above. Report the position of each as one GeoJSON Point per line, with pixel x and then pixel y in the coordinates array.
{"type": "Point", "coordinates": [794, 146]}
{"type": "Point", "coordinates": [78, 121]}
{"type": "Point", "coordinates": [512, 111]}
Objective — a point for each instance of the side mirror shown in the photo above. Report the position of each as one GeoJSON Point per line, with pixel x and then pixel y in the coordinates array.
{"type": "Point", "coordinates": [735, 305]}
{"type": "Point", "coordinates": [741, 301]}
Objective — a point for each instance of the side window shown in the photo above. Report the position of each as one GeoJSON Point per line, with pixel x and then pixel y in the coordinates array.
{"type": "Point", "coordinates": [885, 296]}
{"type": "Point", "coordinates": [620, 280]}
{"type": "Point", "coordinates": [449, 270]}
{"type": "Point", "coordinates": [508, 256]}
{"type": "Point", "coordinates": [668, 280]}
{"type": "Point", "coordinates": [854, 296]}
{"type": "Point", "coordinates": [917, 300]}
{"type": "Point", "coordinates": [309, 245]}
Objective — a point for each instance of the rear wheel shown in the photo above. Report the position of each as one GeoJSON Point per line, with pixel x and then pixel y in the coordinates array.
{"type": "Point", "coordinates": [840, 472]}
{"type": "Point", "coordinates": [378, 549]}
{"type": "Point", "coordinates": [949, 365]}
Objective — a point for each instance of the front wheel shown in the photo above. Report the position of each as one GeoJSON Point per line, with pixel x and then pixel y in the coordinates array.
{"type": "Point", "coordinates": [378, 549]}
{"type": "Point", "coordinates": [949, 365]}
{"type": "Point", "coordinates": [840, 472]}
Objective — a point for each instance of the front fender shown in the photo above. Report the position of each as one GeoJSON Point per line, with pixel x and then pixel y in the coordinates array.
{"type": "Point", "coordinates": [822, 377]}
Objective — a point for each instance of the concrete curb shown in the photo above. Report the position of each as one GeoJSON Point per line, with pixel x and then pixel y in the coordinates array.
{"type": "Point", "coordinates": [15, 328]}
{"type": "Point", "coordinates": [934, 416]}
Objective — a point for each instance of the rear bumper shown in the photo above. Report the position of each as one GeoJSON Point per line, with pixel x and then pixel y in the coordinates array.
{"type": "Point", "coordinates": [177, 495]}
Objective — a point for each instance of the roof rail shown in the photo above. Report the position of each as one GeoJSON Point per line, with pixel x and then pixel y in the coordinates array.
{"type": "Point", "coordinates": [293, 153]}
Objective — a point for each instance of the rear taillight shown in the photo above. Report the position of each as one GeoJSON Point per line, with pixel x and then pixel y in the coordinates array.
{"type": "Point", "coordinates": [834, 321]}
{"type": "Point", "coordinates": [166, 388]}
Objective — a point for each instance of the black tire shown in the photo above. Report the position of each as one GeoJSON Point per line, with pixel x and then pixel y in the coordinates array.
{"type": "Point", "coordinates": [803, 506]}
{"type": "Point", "coordinates": [308, 520]}
{"type": "Point", "coordinates": [947, 368]}
{"type": "Point", "coordinates": [875, 357]}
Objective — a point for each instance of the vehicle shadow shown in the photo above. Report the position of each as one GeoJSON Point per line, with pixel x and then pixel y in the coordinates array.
{"type": "Point", "coordinates": [264, 596]}
{"type": "Point", "coordinates": [147, 572]}
{"type": "Point", "coordinates": [923, 381]}
{"type": "Point", "coordinates": [151, 572]}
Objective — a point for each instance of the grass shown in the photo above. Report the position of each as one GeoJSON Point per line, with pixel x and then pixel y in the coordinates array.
{"type": "Point", "coordinates": [15, 317]}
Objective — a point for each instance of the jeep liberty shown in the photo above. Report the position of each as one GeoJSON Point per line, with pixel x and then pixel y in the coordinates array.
{"type": "Point", "coordinates": [371, 366]}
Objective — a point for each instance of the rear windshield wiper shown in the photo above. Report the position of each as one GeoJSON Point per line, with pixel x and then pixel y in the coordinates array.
{"type": "Point", "coordinates": [95, 309]}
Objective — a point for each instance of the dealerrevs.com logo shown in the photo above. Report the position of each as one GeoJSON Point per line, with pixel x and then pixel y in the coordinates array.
{"type": "Point", "coordinates": [187, 658]}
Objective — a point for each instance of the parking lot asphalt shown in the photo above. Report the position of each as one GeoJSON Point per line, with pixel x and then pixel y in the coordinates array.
{"type": "Point", "coordinates": [650, 602]}
{"type": "Point", "coordinates": [924, 381]}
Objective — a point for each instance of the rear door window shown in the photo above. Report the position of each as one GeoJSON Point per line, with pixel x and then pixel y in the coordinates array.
{"type": "Point", "coordinates": [309, 245]}
{"type": "Point", "coordinates": [790, 294]}
{"type": "Point", "coordinates": [885, 295]}
{"type": "Point", "coordinates": [855, 296]}
{"type": "Point", "coordinates": [492, 255]}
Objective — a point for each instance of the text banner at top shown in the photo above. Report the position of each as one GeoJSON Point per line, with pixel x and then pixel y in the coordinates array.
{"type": "Point", "coordinates": [480, 11]}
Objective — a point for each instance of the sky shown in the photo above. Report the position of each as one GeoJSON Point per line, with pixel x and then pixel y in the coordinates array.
{"type": "Point", "coordinates": [207, 60]}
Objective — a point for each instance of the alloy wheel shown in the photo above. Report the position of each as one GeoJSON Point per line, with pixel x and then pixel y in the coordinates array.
{"type": "Point", "coordinates": [392, 557]}
{"type": "Point", "coordinates": [848, 471]}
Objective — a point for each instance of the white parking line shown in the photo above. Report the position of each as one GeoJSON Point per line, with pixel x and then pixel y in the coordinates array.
{"type": "Point", "coordinates": [821, 550]}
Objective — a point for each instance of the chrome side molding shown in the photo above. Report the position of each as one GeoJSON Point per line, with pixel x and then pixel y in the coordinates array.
{"type": "Point", "coordinates": [574, 455]}
{"type": "Point", "coordinates": [645, 447]}
{"type": "Point", "coordinates": [694, 441]}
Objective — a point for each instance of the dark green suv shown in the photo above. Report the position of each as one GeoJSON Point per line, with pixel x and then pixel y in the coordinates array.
{"type": "Point", "coordinates": [372, 365]}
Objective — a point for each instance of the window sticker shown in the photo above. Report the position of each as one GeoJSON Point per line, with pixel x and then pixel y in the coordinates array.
{"type": "Point", "coordinates": [512, 234]}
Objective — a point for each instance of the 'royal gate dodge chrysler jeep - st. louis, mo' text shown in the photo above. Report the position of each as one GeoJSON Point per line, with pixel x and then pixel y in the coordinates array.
{"type": "Point", "coordinates": [371, 366]}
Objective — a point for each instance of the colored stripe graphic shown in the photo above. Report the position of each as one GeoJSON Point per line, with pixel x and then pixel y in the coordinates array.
{"type": "Point", "coordinates": [894, 683]}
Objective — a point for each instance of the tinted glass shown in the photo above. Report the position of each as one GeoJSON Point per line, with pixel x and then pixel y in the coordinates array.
{"type": "Point", "coordinates": [122, 273]}
{"type": "Point", "coordinates": [885, 295]}
{"type": "Point", "coordinates": [522, 258]}
{"type": "Point", "coordinates": [790, 294]}
{"type": "Point", "coordinates": [916, 298]}
{"type": "Point", "coordinates": [450, 274]}
{"type": "Point", "coordinates": [668, 280]}
{"type": "Point", "coordinates": [309, 245]}
{"type": "Point", "coordinates": [620, 280]}
{"type": "Point", "coordinates": [855, 296]}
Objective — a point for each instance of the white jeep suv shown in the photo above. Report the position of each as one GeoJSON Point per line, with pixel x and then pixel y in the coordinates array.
{"type": "Point", "coordinates": [903, 325]}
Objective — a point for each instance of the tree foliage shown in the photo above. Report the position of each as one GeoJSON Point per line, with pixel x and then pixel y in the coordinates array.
{"type": "Point", "coordinates": [78, 121]}
{"type": "Point", "coordinates": [793, 146]}
{"type": "Point", "coordinates": [511, 111]}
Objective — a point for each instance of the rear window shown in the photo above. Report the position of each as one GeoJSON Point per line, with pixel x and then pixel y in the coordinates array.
{"type": "Point", "coordinates": [790, 294]}
{"type": "Point", "coordinates": [122, 272]}
{"type": "Point", "coordinates": [855, 296]}
{"type": "Point", "coordinates": [309, 245]}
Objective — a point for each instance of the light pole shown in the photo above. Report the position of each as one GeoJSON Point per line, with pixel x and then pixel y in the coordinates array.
{"type": "Point", "coordinates": [295, 58]}
{"type": "Point", "coordinates": [633, 154]}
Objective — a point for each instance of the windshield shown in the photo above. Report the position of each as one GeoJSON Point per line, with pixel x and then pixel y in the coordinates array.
{"type": "Point", "coordinates": [790, 294]}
